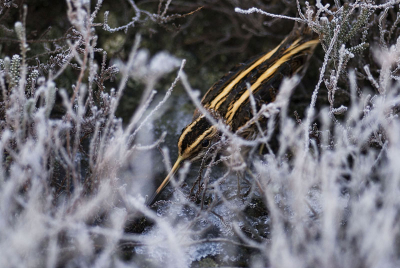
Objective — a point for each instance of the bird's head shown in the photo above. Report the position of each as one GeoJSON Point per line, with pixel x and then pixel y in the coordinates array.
{"type": "Point", "coordinates": [194, 141]}
{"type": "Point", "coordinates": [196, 138]}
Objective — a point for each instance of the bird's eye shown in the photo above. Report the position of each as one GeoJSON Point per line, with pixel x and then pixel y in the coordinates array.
{"type": "Point", "coordinates": [205, 143]}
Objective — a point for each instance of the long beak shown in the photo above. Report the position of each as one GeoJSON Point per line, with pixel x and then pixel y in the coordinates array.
{"type": "Point", "coordinates": [166, 180]}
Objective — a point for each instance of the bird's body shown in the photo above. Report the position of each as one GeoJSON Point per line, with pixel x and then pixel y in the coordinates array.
{"type": "Point", "coordinates": [229, 98]}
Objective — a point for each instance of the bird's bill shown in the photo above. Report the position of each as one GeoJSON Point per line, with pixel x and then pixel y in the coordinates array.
{"type": "Point", "coordinates": [166, 180]}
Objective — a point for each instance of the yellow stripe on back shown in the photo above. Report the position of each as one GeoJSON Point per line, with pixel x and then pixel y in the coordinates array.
{"type": "Point", "coordinates": [219, 99]}
{"type": "Point", "coordinates": [268, 73]}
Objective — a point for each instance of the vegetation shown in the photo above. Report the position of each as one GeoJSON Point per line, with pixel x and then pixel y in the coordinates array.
{"type": "Point", "coordinates": [93, 98]}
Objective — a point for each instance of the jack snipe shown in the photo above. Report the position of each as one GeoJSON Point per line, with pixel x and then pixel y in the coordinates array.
{"type": "Point", "coordinates": [229, 97]}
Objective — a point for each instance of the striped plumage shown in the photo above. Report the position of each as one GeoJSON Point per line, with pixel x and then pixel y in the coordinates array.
{"type": "Point", "coordinates": [228, 99]}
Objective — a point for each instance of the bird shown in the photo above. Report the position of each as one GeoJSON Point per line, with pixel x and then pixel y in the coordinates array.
{"type": "Point", "coordinates": [229, 98]}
